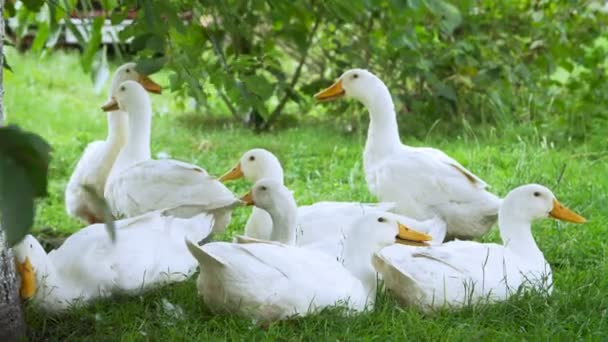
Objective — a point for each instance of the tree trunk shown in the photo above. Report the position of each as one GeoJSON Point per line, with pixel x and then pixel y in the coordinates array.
{"type": "Point", "coordinates": [12, 324]}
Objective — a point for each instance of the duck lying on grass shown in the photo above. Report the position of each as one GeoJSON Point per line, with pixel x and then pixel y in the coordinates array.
{"type": "Point", "coordinates": [148, 252]}
{"type": "Point", "coordinates": [269, 281]}
{"type": "Point", "coordinates": [463, 272]}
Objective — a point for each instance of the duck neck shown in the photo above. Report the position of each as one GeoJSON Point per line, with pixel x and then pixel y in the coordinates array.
{"type": "Point", "coordinates": [137, 148]}
{"type": "Point", "coordinates": [50, 287]}
{"type": "Point", "coordinates": [516, 234]}
{"type": "Point", "coordinates": [357, 258]}
{"type": "Point", "coordinates": [284, 226]}
{"type": "Point", "coordinates": [118, 124]}
{"type": "Point", "coordinates": [383, 133]}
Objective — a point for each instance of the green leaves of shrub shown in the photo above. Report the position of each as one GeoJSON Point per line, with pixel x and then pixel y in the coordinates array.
{"type": "Point", "coordinates": [24, 163]}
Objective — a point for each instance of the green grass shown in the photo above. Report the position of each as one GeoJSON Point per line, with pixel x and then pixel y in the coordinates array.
{"type": "Point", "coordinates": [51, 96]}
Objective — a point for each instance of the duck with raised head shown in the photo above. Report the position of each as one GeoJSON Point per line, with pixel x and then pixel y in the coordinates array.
{"type": "Point", "coordinates": [98, 158]}
{"type": "Point", "coordinates": [138, 184]}
{"type": "Point", "coordinates": [273, 280]}
{"type": "Point", "coordinates": [465, 272]}
{"type": "Point", "coordinates": [423, 182]}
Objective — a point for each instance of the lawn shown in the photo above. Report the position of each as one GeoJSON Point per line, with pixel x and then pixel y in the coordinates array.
{"type": "Point", "coordinates": [51, 96]}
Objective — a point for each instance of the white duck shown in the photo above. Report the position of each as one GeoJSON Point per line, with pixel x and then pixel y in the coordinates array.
{"type": "Point", "coordinates": [423, 182]}
{"type": "Point", "coordinates": [138, 184]}
{"type": "Point", "coordinates": [269, 281]}
{"type": "Point", "coordinates": [321, 225]}
{"type": "Point", "coordinates": [148, 252]}
{"type": "Point", "coordinates": [462, 272]}
{"type": "Point", "coordinates": [99, 156]}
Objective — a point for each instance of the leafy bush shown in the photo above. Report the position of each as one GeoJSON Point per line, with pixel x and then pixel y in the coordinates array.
{"type": "Point", "coordinates": [537, 63]}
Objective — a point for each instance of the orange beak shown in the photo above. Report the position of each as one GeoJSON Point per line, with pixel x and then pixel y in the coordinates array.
{"type": "Point", "coordinates": [408, 236]}
{"type": "Point", "coordinates": [28, 279]}
{"type": "Point", "coordinates": [110, 106]}
{"type": "Point", "coordinates": [235, 173]}
{"type": "Point", "coordinates": [335, 91]}
{"type": "Point", "coordinates": [149, 84]}
{"type": "Point", "coordinates": [562, 213]}
{"type": "Point", "coordinates": [247, 198]}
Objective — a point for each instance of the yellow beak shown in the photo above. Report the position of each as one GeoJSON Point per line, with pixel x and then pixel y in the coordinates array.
{"type": "Point", "coordinates": [110, 106]}
{"type": "Point", "coordinates": [28, 279]}
{"type": "Point", "coordinates": [247, 198]}
{"type": "Point", "coordinates": [408, 236]}
{"type": "Point", "coordinates": [234, 173]}
{"type": "Point", "coordinates": [333, 92]}
{"type": "Point", "coordinates": [562, 213]}
{"type": "Point", "coordinates": [149, 84]}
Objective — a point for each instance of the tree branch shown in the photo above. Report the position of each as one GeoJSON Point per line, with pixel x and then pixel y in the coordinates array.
{"type": "Point", "coordinates": [294, 80]}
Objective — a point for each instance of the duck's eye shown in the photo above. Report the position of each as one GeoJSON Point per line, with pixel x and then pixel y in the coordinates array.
{"type": "Point", "coordinates": [356, 76]}
{"type": "Point", "coordinates": [381, 219]}
{"type": "Point", "coordinates": [252, 158]}
{"type": "Point", "coordinates": [263, 188]}
{"type": "Point", "coordinates": [536, 194]}
{"type": "Point", "coordinates": [122, 88]}
{"type": "Point", "coordinates": [128, 71]}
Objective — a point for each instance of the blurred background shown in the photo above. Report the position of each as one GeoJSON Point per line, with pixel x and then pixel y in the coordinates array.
{"type": "Point", "coordinates": [450, 65]}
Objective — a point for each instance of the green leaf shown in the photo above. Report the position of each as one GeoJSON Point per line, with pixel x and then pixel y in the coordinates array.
{"type": "Point", "coordinates": [30, 151]}
{"type": "Point", "coordinates": [449, 14]}
{"type": "Point", "coordinates": [42, 33]}
{"type": "Point", "coordinates": [16, 201]}
{"type": "Point", "coordinates": [446, 91]}
{"type": "Point", "coordinates": [5, 64]}
{"type": "Point", "coordinates": [101, 205]}
{"type": "Point", "coordinates": [24, 161]}
{"type": "Point", "coordinates": [149, 66]}
{"type": "Point", "coordinates": [33, 5]}
{"type": "Point", "coordinates": [259, 85]}
{"type": "Point", "coordinates": [93, 44]}
{"type": "Point", "coordinates": [560, 75]}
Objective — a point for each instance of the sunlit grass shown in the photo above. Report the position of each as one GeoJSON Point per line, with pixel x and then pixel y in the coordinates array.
{"type": "Point", "coordinates": [51, 96]}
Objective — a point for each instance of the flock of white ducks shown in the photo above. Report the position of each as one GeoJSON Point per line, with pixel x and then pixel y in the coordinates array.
{"type": "Point", "coordinates": [291, 260]}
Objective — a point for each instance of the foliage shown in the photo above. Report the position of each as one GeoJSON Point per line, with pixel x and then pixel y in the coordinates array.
{"type": "Point", "coordinates": [24, 162]}
{"type": "Point", "coordinates": [487, 62]}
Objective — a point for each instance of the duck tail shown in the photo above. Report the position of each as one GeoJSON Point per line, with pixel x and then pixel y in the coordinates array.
{"type": "Point", "coordinates": [395, 277]}
{"type": "Point", "coordinates": [201, 255]}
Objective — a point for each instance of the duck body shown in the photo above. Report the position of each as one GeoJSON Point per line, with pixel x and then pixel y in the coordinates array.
{"type": "Point", "coordinates": [94, 167]}
{"type": "Point", "coordinates": [148, 252]}
{"type": "Point", "coordinates": [459, 273]}
{"type": "Point", "coordinates": [423, 182]}
{"type": "Point", "coordinates": [138, 184]}
{"type": "Point", "coordinates": [272, 281]}
{"type": "Point", "coordinates": [155, 184]}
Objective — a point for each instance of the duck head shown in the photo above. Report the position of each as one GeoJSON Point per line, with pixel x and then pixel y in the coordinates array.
{"type": "Point", "coordinates": [127, 72]}
{"type": "Point", "coordinates": [129, 96]}
{"type": "Point", "coordinates": [359, 84]}
{"type": "Point", "coordinates": [32, 263]}
{"type": "Point", "coordinates": [254, 165]}
{"type": "Point", "coordinates": [533, 201]}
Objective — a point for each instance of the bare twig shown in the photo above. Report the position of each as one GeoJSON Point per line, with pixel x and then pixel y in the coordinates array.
{"type": "Point", "coordinates": [296, 76]}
